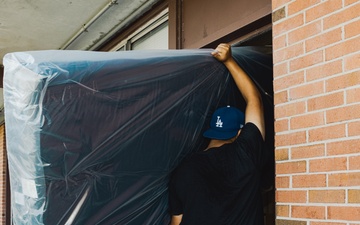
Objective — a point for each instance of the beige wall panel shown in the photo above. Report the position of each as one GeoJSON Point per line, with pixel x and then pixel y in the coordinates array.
{"type": "Point", "coordinates": [207, 20]}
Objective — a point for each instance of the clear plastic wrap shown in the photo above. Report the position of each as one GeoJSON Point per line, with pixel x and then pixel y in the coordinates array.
{"type": "Point", "coordinates": [92, 137]}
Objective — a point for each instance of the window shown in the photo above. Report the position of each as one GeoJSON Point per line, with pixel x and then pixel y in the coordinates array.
{"type": "Point", "coordinates": [152, 35]}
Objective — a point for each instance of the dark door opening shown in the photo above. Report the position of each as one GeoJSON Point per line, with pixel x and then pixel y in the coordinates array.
{"type": "Point", "coordinates": [263, 39]}
{"type": "Point", "coordinates": [259, 35]}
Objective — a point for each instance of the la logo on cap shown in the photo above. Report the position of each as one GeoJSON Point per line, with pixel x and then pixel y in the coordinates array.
{"type": "Point", "coordinates": [219, 123]}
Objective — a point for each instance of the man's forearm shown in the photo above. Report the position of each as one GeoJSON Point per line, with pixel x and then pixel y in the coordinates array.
{"type": "Point", "coordinates": [245, 85]}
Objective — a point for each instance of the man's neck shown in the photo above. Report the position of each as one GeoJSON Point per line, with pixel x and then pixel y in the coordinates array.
{"type": "Point", "coordinates": [218, 143]}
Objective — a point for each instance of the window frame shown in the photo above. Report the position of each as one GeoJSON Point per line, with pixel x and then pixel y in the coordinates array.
{"type": "Point", "coordinates": [154, 23]}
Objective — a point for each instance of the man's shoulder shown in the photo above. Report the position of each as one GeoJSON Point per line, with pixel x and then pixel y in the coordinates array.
{"type": "Point", "coordinates": [250, 131]}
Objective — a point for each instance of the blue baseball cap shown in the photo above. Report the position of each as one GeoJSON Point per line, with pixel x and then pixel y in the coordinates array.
{"type": "Point", "coordinates": [225, 123]}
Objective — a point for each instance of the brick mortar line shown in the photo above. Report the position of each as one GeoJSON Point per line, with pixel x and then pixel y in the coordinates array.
{"type": "Point", "coordinates": [323, 188]}
{"type": "Point", "coordinates": [323, 49]}
{"type": "Point", "coordinates": [326, 186]}
{"type": "Point", "coordinates": [327, 141]}
{"type": "Point", "coordinates": [310, 143]}
{"type": "Point", "coordinates": [337, 172]}
{"type": "Point", "coordinates": [326, 125]}
{"type": "Point", "coordinates": [319, 157]}
{"type": "Point", "coordinates": [325, 220]}
{"type": "Point", "coordinates": [303, 11]}
{"type": "Point", "coordinates": [324, 94]}
{"type": "Point", "coordinates": [317, 65]}
{"type": "Point", "coordinates": [313, 36]}
{"type": "Point", "coordinates": [317, 111]}
{"type": "Point", "coordinates": [348, 156]}
{"type": "Point", "coordinates": [322, 205]}
{"type": "Point", "coordinates": [3, 164]}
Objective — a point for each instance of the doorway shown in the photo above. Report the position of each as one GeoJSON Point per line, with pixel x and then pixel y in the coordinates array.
{"type": "Point", "coordinates": [261, 39]}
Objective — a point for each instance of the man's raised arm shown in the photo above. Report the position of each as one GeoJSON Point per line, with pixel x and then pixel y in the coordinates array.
{"type": "Point", "coordinates": [254, 111]}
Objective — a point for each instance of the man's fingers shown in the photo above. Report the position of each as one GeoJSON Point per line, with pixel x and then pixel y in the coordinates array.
{"type": "Point", "coordinates": [216, 53]}
{"type": "Point", "coordinates": [222, 51]}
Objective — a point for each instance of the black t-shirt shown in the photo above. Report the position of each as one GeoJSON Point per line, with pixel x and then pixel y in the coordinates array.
{"type": "Point", "coordinates": [221, 186]}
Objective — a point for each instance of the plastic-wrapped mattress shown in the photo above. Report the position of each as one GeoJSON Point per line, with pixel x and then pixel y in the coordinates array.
{"type": "Point", "coordinates": [92, 137]}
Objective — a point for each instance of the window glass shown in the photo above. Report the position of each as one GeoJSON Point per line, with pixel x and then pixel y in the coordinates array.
{"type": "Point", "coordinates": [152, 35]}
{"type": "Point", "coordinates": [155, 39]}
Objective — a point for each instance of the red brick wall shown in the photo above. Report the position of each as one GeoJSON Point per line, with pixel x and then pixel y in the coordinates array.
{"type": "Point", "coordinates": [317, 111]}
{"type": "Point", "coordinates": [2, 166]}
{"type": "Point", "coordinates": [3, 172]}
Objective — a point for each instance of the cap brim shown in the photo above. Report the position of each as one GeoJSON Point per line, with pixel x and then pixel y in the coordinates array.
{"type": "Point", "coordinates": [219, 135]}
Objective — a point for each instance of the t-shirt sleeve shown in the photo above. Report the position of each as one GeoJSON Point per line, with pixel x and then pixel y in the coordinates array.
{"type": "Point", "coordinates": [175, 204]}
{"type": "Point", "coordinates": [251, 142]}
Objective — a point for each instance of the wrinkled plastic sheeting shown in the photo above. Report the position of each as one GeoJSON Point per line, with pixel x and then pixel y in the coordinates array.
{"type": "Point", "coordinates": [92, 137]}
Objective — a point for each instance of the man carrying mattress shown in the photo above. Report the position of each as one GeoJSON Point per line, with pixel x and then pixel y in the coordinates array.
{"type": "Point", "coordinates": [221, 185]}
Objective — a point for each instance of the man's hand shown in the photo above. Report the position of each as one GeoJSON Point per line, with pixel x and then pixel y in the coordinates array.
{"type": "Point", "coordinates": [222, 52]}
